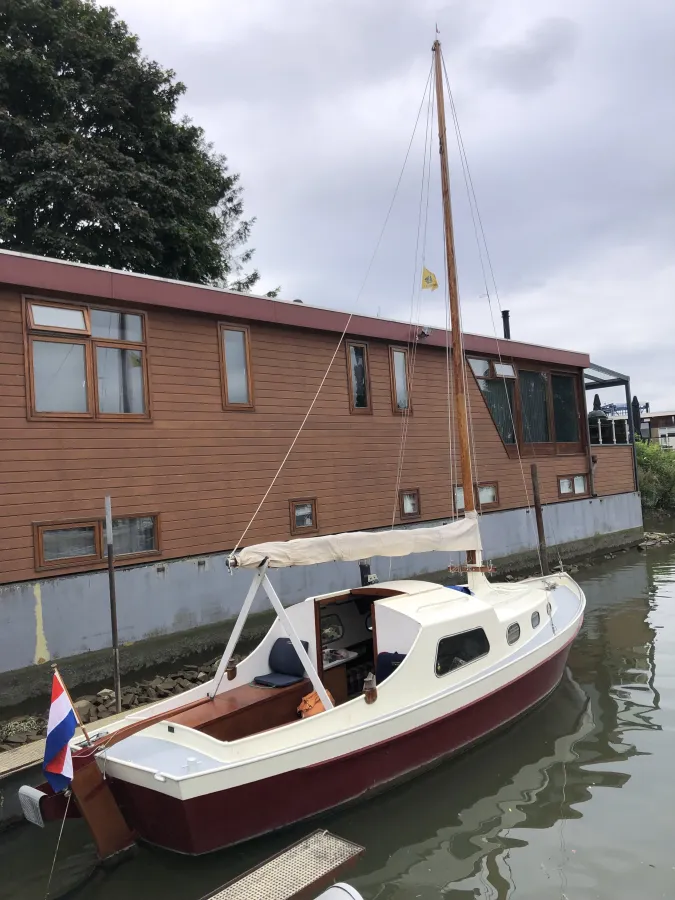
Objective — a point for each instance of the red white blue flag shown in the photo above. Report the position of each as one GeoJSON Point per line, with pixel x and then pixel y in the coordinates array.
{"type": "Point", "coordinates": [58, 763]}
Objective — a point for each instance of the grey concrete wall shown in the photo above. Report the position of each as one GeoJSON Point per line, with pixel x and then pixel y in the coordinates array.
{"type": "Point", "coordinates": [55, 618]}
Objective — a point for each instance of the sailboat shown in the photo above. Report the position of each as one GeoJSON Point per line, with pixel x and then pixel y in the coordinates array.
{"type": "Point", "coordinates": [392, 678]}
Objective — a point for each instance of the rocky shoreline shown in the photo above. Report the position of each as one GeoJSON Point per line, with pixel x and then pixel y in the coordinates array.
{"type": "Point", "coordinates": [92, 707]}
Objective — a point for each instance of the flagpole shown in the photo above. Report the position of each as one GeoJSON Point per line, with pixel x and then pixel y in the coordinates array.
{"type": "Point", "coordinates": [67, 693]}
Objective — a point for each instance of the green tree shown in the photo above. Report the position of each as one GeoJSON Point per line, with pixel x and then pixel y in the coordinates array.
{"type": "Point", "coordinates": [94, 166]}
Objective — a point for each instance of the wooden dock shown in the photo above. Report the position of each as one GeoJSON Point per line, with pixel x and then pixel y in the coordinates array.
{"type": "Point", "coordinates": [299, 871]}
{"type": "Point", "coordinates": [32, 754]}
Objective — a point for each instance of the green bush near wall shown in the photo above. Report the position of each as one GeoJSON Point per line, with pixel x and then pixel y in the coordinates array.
{"type": "Point", "coordinates": [656, 471]}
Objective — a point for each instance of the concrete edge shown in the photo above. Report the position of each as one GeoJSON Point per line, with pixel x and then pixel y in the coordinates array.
{"type": "Point", "coordinates": [138, 658]}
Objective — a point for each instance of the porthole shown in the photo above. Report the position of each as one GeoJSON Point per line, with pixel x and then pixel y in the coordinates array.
{"type": "Point", "coordinates": [513, 633]}
{"type": "Point", "coordinates": [535, 620]}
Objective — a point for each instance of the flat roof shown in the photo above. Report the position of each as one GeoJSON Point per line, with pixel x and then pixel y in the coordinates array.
{"type": "Point", "coordinates": [39, 273]}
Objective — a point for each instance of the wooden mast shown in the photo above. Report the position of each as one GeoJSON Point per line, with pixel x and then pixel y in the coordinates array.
{"type": "Point", "coordinates": [455, 326]}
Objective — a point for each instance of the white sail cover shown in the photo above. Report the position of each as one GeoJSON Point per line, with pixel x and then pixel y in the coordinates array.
{"type": "Point", "coordinates": [462, 534]}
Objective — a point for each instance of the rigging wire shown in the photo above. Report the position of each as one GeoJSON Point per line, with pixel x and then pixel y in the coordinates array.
{"type": "Point", "coordinates": [479, 232]}
{"type": "Point", "coordinates": [412, 334]}
{"type": "Point", "coordinates": [347, 323]}
{"type": "Point", "coordinates": [58, 844]}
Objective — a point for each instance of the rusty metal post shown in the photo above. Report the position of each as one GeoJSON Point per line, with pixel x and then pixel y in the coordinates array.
{"type": "Point", "coordinates": [540, 521]}
{"type": "Point", "coordinates": [113, 605]}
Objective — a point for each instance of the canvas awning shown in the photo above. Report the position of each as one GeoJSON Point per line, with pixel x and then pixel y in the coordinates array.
{"type": "Point", "coordinates": [462, 534]}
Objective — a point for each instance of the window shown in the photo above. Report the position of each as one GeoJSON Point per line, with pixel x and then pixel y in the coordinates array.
{"type": "Point", "coordinates": [400, 385]}
{"type": "Point", "coordinates": [303, 516]}
{"type": "Point", "coordinates": [82, 543]}
{"type": "Point", "coordinates": [512, 633]}
{"type": "Point", "coordinates": [134, 535]}
{"type": "Point", "coordinates": [460, 649]}
{"type": "Point", "coordinates": [59, 377]}
{"type": "Point", "coordinates": [570, 485]}
{"type": "Point", "coordinates": [58, 318]}
{"type": "Point", "coordinates": [536, 618]}
{"type": "Point", "coordinates": [534, 406]}
{"type": "Point", "coordinates": [409, 503]}
{"type": "Point", "coordinates": [73, 542]}
{"type": "Point", "coordinates": [359, 382]}
{"type": "Point", "coordinates": [235, 346]}
{"type": "Point", "coordinates": [92, 365]}
{"type": "Point", "coordinates": [486, 496]}
{"type": "Point", "coordinates": [332, 629]}
{"type": "Point", "coordinates": [497, 385]}
{"type": "Point", "coordinates": [565, 412]}
{"type": "Point", "coordinates": [537, 409]}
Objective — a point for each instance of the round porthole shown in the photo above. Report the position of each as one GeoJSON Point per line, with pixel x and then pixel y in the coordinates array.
{"type": "Point", "coordinates": [535, 620]}
{"type": "Point", "coordinates": [548, 608]}
{"type": "Point", "coordinates": [513, 633]}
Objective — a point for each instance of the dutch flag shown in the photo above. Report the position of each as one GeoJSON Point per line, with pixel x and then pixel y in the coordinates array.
{"type": "Point", "coordinates": [58, 763]}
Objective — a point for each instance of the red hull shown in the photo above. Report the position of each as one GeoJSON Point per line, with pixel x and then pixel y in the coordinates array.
{"type": "Point", "coordinates": [227, 817]}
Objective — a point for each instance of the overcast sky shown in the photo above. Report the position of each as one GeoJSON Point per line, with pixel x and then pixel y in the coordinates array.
{"type": "Point", "coordinates": [567, 112]}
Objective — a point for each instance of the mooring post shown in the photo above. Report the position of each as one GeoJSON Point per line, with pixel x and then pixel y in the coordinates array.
{"type": "Point", "coordinates": [113, 605]}
{"type": "Point", "coordinates": [540, 521]}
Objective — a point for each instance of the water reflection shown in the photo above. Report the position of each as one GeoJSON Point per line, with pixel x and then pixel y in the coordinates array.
{"type": "Point", "coordinates": [574, 801]}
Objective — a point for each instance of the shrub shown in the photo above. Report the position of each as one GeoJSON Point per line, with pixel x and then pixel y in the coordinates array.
{"type": "Point", "coordinates": [656, 473]}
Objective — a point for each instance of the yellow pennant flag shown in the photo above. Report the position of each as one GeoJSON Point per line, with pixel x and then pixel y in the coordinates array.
{"type": "Point", "coordinates": [429, 282]}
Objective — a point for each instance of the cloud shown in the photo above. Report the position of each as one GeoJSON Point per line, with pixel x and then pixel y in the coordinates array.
{"type": "Point", "coordinates": [566, 113]}
{"type": "Point", "coordinates": [534, 61]}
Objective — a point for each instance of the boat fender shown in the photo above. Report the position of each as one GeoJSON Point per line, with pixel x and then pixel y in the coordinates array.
{"type": "Point", "coordinates": [340, 892]}
{"type": "Point", "coordinates": [370, 688]}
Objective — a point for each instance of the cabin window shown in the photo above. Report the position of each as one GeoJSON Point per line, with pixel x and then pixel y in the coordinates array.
{"type": "Point", "coordinates": [119, 375]}
{"type": "Point", "coordinates": [134, 535]}
{"type": "Point", "coordinates": [534, 406]}
{"type": "Point", "coordinates": [235, 367]}
{"type": "Point", "coordinates": [67, 544]}
{"type": "Point", "coordinates": [539, 409]}
{"type": "Point", "coordinates": [536, 618]}
{"type": "Point", "coordinates": [57, 318]}
{"type": "Point", "coordinates": [571, 485]}
{"type": "Point", "coordinates": [459, 649]}
{"type": "Point", "coordinates": [101, 374]}
{"type": "Point", "coordinates": [73, 542]}
{"type": "Point", "coordinates": [59, 377]}
{"type": "Point", "coordinates": [486, 496]}
{"type": "Point", "coordinates": [332, 629]}
{"type": "Point", "coordinates": [359, 381]}
{"type": "Point", "coordinates": [565, 412]}
{"type": "Point", "coordinates": [513, 633]}
{"type": "Point", "coordinates": [410, 503]}
{"type": "Point", "coordinates": [116, 326]}
{"type": "Point", "coordinates": [400, 383]}
{"type": "Point", "coordinates": [303, 516]}
{"type": "Point", "coordinates": [497, 385]}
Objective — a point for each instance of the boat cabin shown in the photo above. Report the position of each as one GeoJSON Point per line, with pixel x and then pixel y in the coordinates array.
{"type": "Point", "coordinates": [346, 635]}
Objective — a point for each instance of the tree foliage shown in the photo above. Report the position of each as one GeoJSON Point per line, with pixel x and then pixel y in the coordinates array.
{"type": "Point", "coordinates": [94, 166]}
{"type": "Point", "coordinates": [656, 471]}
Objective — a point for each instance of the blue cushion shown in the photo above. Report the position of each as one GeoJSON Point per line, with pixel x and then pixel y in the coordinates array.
{"type": "Point", "coordinates": [386, 663]}
{"type": "Point", "coordinates": [284, 658]}
{"type": "Point", "coordinates": [277, 679]}
{"type": "Point", "coordinates": [462, 588]}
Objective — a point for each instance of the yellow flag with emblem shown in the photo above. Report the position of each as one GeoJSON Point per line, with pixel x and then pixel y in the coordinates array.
{"type": "Point", "coordinates": [429, 282]}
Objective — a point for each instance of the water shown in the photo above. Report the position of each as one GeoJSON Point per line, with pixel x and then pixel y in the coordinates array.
{"type": "Point", "coordinates": [576, 801]}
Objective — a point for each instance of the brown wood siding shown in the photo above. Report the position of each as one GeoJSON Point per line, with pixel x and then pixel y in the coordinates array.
{"type": "Point", "coordinates": [204, 469]}
{"type": "Point", "coordinates": [613, 470]}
